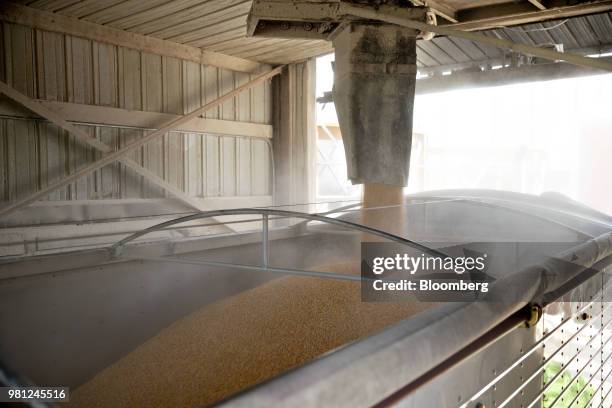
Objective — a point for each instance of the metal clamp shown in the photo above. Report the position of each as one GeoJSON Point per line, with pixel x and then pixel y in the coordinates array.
{"type": "Point", "coordinates": [534, 315]}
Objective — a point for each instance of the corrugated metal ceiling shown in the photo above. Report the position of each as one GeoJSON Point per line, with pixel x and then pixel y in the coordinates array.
{"type": "Point", "coordinates": [220, 25]}
{"type": "Point", "coordinates": [586, 35]}
{"type": "Point", "coordinates": [217, 25]}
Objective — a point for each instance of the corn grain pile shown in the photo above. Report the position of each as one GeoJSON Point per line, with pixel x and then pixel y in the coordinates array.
{"type": "Point", "coordinates": [240, 341]}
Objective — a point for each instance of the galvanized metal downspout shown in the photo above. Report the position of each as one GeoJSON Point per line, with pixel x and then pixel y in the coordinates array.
{"type": "Point", "coordinates": [375, 76]}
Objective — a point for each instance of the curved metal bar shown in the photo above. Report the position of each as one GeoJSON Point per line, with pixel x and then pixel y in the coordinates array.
{"type": "Point", "coordinates": [349, 206]}
{"type": "Point", "coordinates": [534, 201]}
{"type": "Point", "coordinates": [335, 210]}
{"type": "Point", "coordinates": [523, 212]}
{"type": "Point", "coordinates": [283, 271]}
{"type": "Point", "coordinates": [116, 248]}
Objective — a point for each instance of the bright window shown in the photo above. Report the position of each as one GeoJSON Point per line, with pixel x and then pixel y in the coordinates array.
{"type": "Point", "coordinates": [529, 138]}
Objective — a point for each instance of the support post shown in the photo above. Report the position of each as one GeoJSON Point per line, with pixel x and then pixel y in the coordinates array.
{"type": "Point", "coordinates": [265, 243]}
{"type": "Point", "coordinates": [294, 139]}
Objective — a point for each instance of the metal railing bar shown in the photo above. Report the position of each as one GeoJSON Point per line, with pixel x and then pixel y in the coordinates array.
{"type": "Point", "coordinates": [177, 228]}
{"type": "Point", "coordinates": [472, 349]}
{"type": "Point", "coordinates": [578, 375]}
{"type": "Point", "coordinates": [212, 224]}
{"type": "Point", "coordinates": [526, 213]}
{"type": "Point", "coordinates": [541, 367]}
{"type": "Point", "coordinates": [292, 214]}
{"type": "Point", "coordinates": [265, 241]}
{"type": "Point", "coordinates": [284, 271]}
{"type": "Point", "coordinates": [591, 377]}
{"type": "Point", "coordinates": [346, 209]}
{"type": "Point", "coordinates": [523, 357]}
{"type": "Point", "coordinates": [110, 234]}
{"type": "Point", "coordinates": [357, 203]}
{"type": "Point", "coordinates": [603, 381]}
{"type": "Point", "coordinates": [335, 231]}
{"type": "Point", "coordinates": [511, 323]}
{"type": "Point", "coordinates": [179, 213]}
{"type": "Point", "coordinates": [560, 210]}
{"type": "Point", "coordinates": [117, 219]}
{"type": "Point", "coordinates": [554, 378]}
{"type": "Point", "coordinates": [607, 393]}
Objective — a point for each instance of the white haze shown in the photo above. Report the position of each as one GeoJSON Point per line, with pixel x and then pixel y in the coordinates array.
{"type": "Point", "coordinates": [530, 138]}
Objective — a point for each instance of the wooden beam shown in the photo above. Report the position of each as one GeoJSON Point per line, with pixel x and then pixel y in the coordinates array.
{"type": "Point", "coordinates": [119, 154]}
{"type": "Point", "coordinates": [44, 20]}
{"type": "Point", "coordinates": [443, 10]}
{"type": "Point", "coordinates": [439, 9]}
{"type": "Point", "coordinates": [389, 17]}
{"type": "Point", "coordinates": [51, 212]}
{"type": "Point", "coordinates": [103, 115]}
{"type": "Point", "coordinates": [509, 14]}
{"type": "Point", "coordinates": [502, 76]}
{"type": "Point", "coordinates": [486, 64]}
{"type": "Point", "coordinates": [48, 114]}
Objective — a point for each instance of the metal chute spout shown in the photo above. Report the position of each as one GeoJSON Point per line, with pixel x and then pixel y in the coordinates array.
{"type": "Point", "coordinates": [375, 75]}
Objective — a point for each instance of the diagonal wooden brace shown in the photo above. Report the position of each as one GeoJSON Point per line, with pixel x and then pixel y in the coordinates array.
{"type": "Point", "coordinates": [52, 116]}
{"type": "Point", "coordinates": [120, 154]}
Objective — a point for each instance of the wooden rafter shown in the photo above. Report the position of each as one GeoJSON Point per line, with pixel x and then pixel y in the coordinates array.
{"type": "Point", "coordinates": [502, 76]}
{"type": "Point", "coordinates": [510, 14]}
{"type": "Point", "coordinates": [388, 17]}
{"type": "Point", "coordinates": [48, 21]}
{"type": "Point", "coordinates": [323, 19]}
{"type": "Point", "coordinates": [109, 116]}
{"type": "Point", "coordinates": [120, 154]}
{"type": "Point", "coordinates": [439, 9]}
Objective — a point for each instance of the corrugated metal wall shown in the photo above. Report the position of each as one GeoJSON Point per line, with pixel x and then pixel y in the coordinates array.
{"type": "Point", "coordinates": [62, 68]}
{"type": "Point", "coordinates": [294, 133]}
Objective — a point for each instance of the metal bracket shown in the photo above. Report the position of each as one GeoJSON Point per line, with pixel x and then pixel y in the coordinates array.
{"type": "Point", "coordinates": [319, 20]}
{"type": "Point", "coordinates": [534, 315]}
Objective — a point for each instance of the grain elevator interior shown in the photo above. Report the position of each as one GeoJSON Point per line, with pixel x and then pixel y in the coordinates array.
{"type": "Point", "coordinates": [306, 203]}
